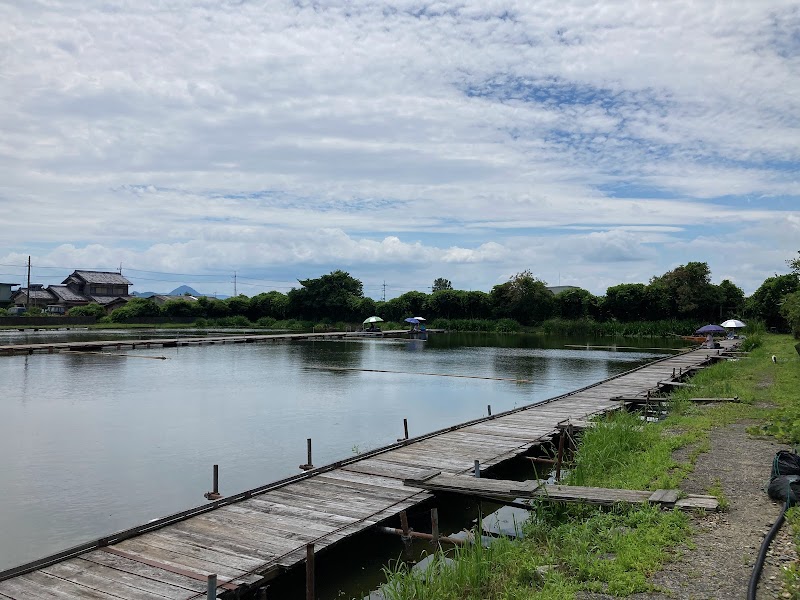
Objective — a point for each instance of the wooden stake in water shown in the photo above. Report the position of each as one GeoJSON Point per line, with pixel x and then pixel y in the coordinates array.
{"type": "Point", "coordinates": [309, 465]}
{"type": "Point", "coordinates": [435, 526]}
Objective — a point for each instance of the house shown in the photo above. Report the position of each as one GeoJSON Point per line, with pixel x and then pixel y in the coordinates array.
{"type": "Point", "coordinates": [107, 288]}
{"type": "Point", "coordinates": [37, 296]}
{"type": "Point", "coordinates": [5, 292]}
{"type": "Point", "coordinates": [100, 284]}
{"type": "Point", "coordinates": [66, 296]}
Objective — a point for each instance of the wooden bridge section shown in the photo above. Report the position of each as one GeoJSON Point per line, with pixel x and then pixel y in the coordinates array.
{"type": "Point", "coordinates": [248, 538]}
{"type": "Point", "coordinates": [179, 342]}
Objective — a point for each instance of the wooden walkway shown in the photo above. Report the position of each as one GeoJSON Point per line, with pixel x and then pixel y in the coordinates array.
{"type": "Point", "coordinates": [247, 538]}
{"type": "Point", "coordinates": [176, 342]}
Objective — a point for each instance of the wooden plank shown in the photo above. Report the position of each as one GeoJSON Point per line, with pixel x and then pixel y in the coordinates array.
{"type": "Point", "coordinates": [41, 585]}
{"type": "Point", "coordinates": [378, 466]}
{"type": "Point", "coordinates": [103, 579]}
{"type": "Point", "coordinates": [141, 570]}
{"type": "Point", "coordinates": [139, 548]}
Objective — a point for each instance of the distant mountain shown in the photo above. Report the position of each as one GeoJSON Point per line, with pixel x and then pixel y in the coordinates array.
{"type": "Point", "coordinates": [179, 291]}
{"type": "Point", "coordinates": [183, 290]}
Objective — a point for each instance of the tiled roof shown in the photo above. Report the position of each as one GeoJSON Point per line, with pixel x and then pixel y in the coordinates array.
{"type": "Point", "coordinates": [36, 293]}
{"type": "Point", "coordinates": [103, 300]}
{"type": "Point", "coordinates": [65, 294]}
{"type": "Point", "coordinates": [100, 277]}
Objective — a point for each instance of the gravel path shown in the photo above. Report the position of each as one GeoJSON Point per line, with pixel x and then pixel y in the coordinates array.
{"type": "Point", "coordinates": [726, 544]}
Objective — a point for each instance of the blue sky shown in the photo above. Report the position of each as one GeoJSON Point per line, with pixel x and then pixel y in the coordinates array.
{"type": "Point", "coordinates": [593, 143]}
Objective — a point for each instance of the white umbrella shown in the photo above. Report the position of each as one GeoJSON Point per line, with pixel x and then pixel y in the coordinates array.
{"type": "Point", "coordinates": [732, 324]}
{"type": "Point", "coordinates": [372, 320]}
{"type": "Point", "coordinates": [419, 319]}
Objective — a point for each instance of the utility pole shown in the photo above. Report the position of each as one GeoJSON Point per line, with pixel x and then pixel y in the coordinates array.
{"type": "Point", "coordinates": [28, 295]}
{"type": "Point", "coordinates": [384, 290]}
{"type": "Point", "coordinates": [234, 284]}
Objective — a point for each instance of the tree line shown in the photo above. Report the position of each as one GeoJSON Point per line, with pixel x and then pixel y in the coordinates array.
{"type": "Point", "coordinates": [684, 293]}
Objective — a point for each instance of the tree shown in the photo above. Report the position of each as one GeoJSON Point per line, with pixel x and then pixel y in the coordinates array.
{"type": "Point", "coordinates": [446, 303]}
{"type": "Point", "coordinates": [179, 308]}
{"type": "Point", "coordinates": [766, 300]}
{"type": "Point", "coordinates": [270, 304]}
{"type": "Point", "coordinates": [136, 307]}
{"type": "Point", "coordinates": [731, 299]}
{"type": "Point", "coordinates": [238, 305]}
{"type": "Point", "coordinates": [440, 283]}
{"type": "Point", "coordinates": [327, 297]}
{"type": "Point", "coordinates": [686, 292]}
{"type": "Point", "coordinates": [794, 264]}
{"type": "Point", "coordinates": [627, 302]}
{"type": "Point", "coordinates": [790, 310]}
{"type": "Point", "coordinates": [524, 298]}
{"type": "Point", "coordinates": [573, 304]}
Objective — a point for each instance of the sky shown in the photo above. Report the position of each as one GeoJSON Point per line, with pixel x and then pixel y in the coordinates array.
{"type": "Point", "coordinates": [592, 142]}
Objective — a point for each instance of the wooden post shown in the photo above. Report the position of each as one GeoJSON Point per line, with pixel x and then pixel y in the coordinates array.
{"type": "Point", "coordinates": [310, 572]}
{"type": "Point", "coordinates": [211, 592]}
{"type": "Point", "coordinates": [405, 427]}
{"type": "Point", "coordinates": [406, 536]}
{"type": "Point", "coordinates": [435, 526]}
{"type": "Point", "coordinates": [673, 372]}
{"type": "Point", "coordinates": [477, 471]}
{"type": "Point", "coordinates": [560, 455]}
{"type": "Point", "coordinates": [489, 408]}
{"type": "Point", "coordinates": [309, 465]}
{"type": "Point", "coordinates": [214, 493]}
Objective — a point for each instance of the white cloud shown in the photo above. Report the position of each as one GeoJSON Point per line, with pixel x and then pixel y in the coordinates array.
{"type": "Point", "coordinates": [481, 138]}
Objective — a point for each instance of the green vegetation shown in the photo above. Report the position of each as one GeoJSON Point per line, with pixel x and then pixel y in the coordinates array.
{"type": "Point", "coordinates": [574, 548]}
{"type": "Point", "coordinates": [674, 303]}
{"type": "Point", "coordinates": [89, 310]}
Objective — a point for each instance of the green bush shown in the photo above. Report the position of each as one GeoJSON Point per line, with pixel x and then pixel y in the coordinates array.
{"type": "Point", "coordinates": [88, 310]}
{"type": "Point", "coordinates": [266, 322]}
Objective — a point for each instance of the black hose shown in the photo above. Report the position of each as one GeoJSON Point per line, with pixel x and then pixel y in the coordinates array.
{"type": "Point", "coordinates": [762, 554]}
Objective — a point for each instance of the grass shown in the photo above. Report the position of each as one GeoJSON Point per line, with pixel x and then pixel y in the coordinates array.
{"type": "Point", "coordinates": [576, 548]}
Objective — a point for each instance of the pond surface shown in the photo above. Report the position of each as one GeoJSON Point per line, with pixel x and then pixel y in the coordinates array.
{"type": "Point", "coordinates": [92, 444]}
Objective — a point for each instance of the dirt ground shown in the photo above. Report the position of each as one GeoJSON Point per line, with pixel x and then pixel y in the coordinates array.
{"type": "Point", "coordinates": [720, 559]}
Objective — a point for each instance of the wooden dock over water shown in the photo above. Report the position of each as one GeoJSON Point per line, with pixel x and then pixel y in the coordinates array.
{"type": "Point", "coordinates": [248, 538]}
{"type": "Point", "coordinates": [180, 342]}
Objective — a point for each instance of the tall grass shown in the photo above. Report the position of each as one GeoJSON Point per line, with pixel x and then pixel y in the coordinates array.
{"type": "Point", "coordinates": [590, 327]}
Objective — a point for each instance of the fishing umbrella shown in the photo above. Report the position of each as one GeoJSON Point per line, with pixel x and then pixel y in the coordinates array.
{"type": "Point", "coordinates": [711, 329]}
{"type": "Point", "coordinates": [413, 320]}
{"type": "Point", "coordinates": [372, 320]}
{"type": "Point", "coordinates": [733, 324]}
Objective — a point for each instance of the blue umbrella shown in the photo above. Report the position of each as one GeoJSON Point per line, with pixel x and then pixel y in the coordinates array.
{"type": "Point", "coordinates": [414, 320]}
{"type": "Point", "coordinates": [711, 329]}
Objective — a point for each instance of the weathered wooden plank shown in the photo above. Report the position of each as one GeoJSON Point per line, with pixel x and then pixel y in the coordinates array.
{"type": "Point", "coordinates": [377, 466]}
{"type": "Point", "coordinates": [103, 579]}
{"type": "Point", "coordinates": [141, 570]}
{"type": "Point", "coordinates": [41, 585]}
{"type": "Point", "coordinates": [139, 548]}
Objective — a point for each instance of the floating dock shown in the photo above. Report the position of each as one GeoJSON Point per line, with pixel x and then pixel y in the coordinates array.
{"type": "Point", "coordinates": [248, 538]}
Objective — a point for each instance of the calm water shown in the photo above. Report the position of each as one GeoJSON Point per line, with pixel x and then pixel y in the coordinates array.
{"type": "Point", "coordinates": [93, 444]}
